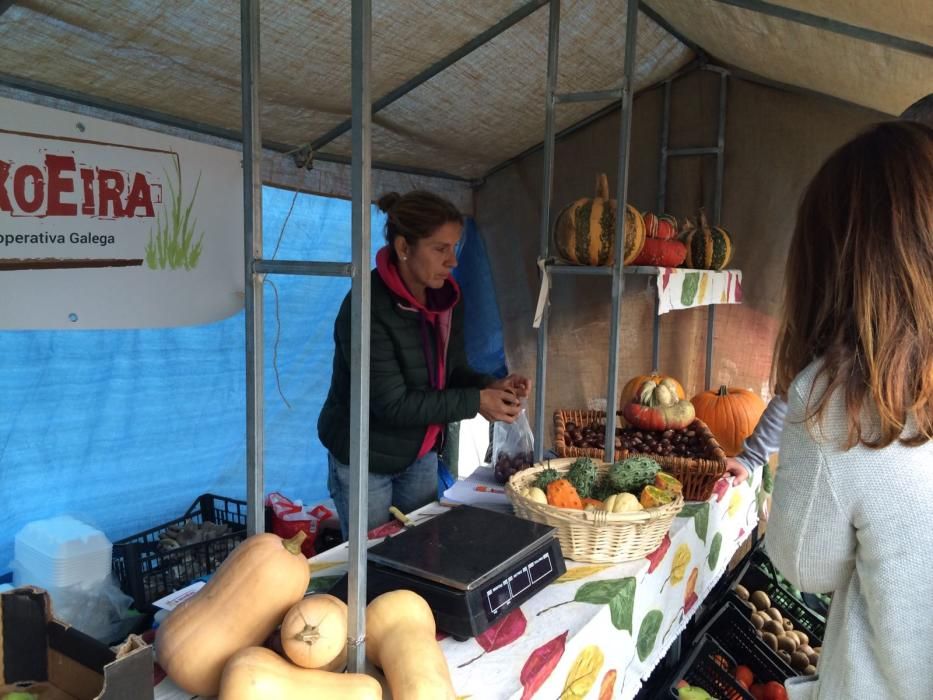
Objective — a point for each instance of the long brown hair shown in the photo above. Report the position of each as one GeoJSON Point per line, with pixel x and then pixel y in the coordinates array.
{"type": "Point", "coordinates": [859, 285]}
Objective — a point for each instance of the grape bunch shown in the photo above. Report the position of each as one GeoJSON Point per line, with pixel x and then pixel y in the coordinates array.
{"type": "Point", "coordinates": [506, 465]}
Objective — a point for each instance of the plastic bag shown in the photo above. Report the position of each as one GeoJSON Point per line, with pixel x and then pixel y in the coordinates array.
{"type": "Point", "coordinates": [512, 447]}
{"type": "Point", "coordinates": [289, 517]}
{"type": "Point", "coordinates": [100, 610]}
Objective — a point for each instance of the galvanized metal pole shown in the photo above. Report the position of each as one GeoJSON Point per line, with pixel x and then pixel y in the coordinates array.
{"type": "Point", "coordinates": [618, 273]}
{"type": "Point", "coordinates": [665, 136]}
{"type": "Point", "coordinates": [361, 51]}
{"type": "Point", "coordinates": [547, 192]}
{"type": "Point", "coordinates": [721, 148]}
{"type": "Point", "coordinates": [717, 216]}
{"type": "Point", "coordinates": [252, 230]}
{"type": "Point", "coordinates": [656, 332]}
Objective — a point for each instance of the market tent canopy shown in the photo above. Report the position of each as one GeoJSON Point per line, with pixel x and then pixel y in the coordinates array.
{"type": "Point", "coordinates": [463, 83]}
{"type": "Point", "coordinates": [182, 59]}
{"type": "Point", "coordinates": [877, 55]}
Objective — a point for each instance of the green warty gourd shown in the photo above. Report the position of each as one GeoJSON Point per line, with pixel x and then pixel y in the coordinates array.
{"type": "Point", "coordinates": [545, 478]}
{"type": "Point", "coordinates": [633, 474]}
{"type": "Point", "coordinates": [583, 475]}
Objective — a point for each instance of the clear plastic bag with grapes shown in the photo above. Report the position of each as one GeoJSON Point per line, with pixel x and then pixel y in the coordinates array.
{"type": "Point", "coordinates": [512, 447]}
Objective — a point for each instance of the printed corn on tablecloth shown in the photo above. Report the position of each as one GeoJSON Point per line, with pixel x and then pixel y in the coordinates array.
{"type": "Point", "coordinates": [599, 630]}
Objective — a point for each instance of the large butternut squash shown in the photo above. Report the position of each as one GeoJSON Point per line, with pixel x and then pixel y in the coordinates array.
{"type": "Point", "coordinates": [257, 673]}
{"type": "Point", "coordinates": [314, 633]}
{"type": "Point", "coordinates": [240, 606]}
{"type": "Point", "coordinates": [400, 639]}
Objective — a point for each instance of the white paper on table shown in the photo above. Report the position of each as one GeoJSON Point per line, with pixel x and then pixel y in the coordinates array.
{"type": "Point", "coordinates": [173, 600]}
{"type": "Point", "coordinates": [479, 489]}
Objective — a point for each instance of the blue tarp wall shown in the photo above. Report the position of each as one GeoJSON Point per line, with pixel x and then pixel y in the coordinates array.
{"type": "Point", "coordinates": [125, 428]}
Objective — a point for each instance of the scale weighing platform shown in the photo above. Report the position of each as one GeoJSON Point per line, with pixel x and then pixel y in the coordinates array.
{"type": "Point", "coordinates": [471, 565]}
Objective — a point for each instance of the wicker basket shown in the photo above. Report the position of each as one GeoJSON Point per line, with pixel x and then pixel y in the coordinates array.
{"type": "Point", "coordinates": [697, 474]}
{"type": "Point", "coordinates": [594, 536]}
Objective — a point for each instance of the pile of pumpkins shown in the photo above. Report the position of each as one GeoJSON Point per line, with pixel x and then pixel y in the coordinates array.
{"type": "Point", "coordinates": [585, 231]}
{"type": "Point", "coordinates": [730, 413]}
{"type": "Point", "coordinates": [211, 644]}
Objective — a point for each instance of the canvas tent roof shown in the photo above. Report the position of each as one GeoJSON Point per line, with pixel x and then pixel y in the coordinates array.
{"type": "Point", "coordinates": [180, 61]}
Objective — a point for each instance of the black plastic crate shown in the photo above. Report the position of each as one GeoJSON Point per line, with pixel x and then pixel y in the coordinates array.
{"type": "Point", "coordinates": [148, 570]}
{"type": "Point", "coordinates": [760, 576]}
{"type": "Point", "coordinates": [704, 669]}
{"type": "Point", "coordinates": [734, 632]}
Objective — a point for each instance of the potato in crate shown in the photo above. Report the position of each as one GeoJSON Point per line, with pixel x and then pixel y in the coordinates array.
{"type": "Point", "coordinates": [163, 559]}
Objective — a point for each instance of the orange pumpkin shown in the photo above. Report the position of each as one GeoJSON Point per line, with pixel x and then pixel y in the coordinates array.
{"type": "Point", "coordinates": [731, 415]}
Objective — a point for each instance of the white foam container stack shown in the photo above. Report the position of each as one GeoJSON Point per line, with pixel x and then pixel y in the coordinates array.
{"type": "Point", "coordinates": [60, 552]}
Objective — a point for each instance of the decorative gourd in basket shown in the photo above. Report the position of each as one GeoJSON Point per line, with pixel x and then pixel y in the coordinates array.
{"type": "Point", "coordinates": [585, 231]}
{"type": "Point", "coordinates": [601, 512]}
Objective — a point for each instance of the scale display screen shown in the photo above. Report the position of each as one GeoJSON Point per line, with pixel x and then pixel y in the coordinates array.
{"type": "Point", "coordinates": [504, 593]}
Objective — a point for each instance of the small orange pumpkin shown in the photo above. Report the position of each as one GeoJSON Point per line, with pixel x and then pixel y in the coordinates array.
{"type": "Point", "coordinates": [731, 415]}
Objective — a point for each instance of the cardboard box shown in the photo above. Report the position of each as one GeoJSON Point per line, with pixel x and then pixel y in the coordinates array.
{"type": "Point", "coordinates": [45, 657]}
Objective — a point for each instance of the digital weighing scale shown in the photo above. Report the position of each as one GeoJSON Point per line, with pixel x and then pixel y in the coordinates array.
{"type": "Point", "coordinates": [472, 565]}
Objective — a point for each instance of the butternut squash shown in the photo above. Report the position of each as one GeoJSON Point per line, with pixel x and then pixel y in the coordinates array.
{"type": "Point", "coordinates": [400, 639]}
{"type": "Point", "coordinates": [240, 606]}
{"type": "Point", "coordinates": [256, 673]}
{"type": "Point", "coordinates": [314, 633]}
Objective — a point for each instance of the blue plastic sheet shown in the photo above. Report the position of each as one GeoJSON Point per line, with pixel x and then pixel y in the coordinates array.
{"type": "Point", "coordinates": [124, 429]}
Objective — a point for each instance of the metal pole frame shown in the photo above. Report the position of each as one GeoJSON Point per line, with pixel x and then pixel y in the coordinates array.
{"type": "Point", "coordinates": [361, 39]}
{"type": "Point", "coordinates": [358, 271]}
{"type": "Point", "coordinates": [833, 25]}
{"type": "Point", "coordinates": [717, 215]}
{"type": "Point", "coordinates": [439, 66]}
{"type": "Point", "coordinates": [618, 273]}
{"type": "Point", "coordinates": [252, 234]}
{"type": "Point", "coordinates": [546, 195]}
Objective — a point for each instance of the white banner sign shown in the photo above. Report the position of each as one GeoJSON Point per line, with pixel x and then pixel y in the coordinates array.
{"type": "Point", "coordinates": [109, 226]}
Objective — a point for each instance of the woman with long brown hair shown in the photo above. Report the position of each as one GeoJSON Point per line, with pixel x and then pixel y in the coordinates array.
{"type": "Point", "coordinates": [853, 500]}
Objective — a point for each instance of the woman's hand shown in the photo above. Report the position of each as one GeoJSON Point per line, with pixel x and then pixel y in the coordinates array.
{"type": "Point", "coordinates": [517, 384]}
{"type": "Point", "coordinates": [498, 404]}
{"type": "Point", "coordinates": [736, 469]}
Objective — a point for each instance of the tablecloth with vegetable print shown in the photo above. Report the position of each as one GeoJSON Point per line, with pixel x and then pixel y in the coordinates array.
{"type": "Point", "coordinates": [684, 289]}
{"type": "Point", "coordinates": [600, 629]}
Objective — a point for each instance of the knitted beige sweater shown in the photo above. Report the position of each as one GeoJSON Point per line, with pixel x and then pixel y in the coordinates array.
{"type": "Point", "coordinates": [858, 523]}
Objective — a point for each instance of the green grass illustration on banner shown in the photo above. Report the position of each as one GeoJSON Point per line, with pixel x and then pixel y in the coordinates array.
{"type": "Point", "coordinates": [173, 244]}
